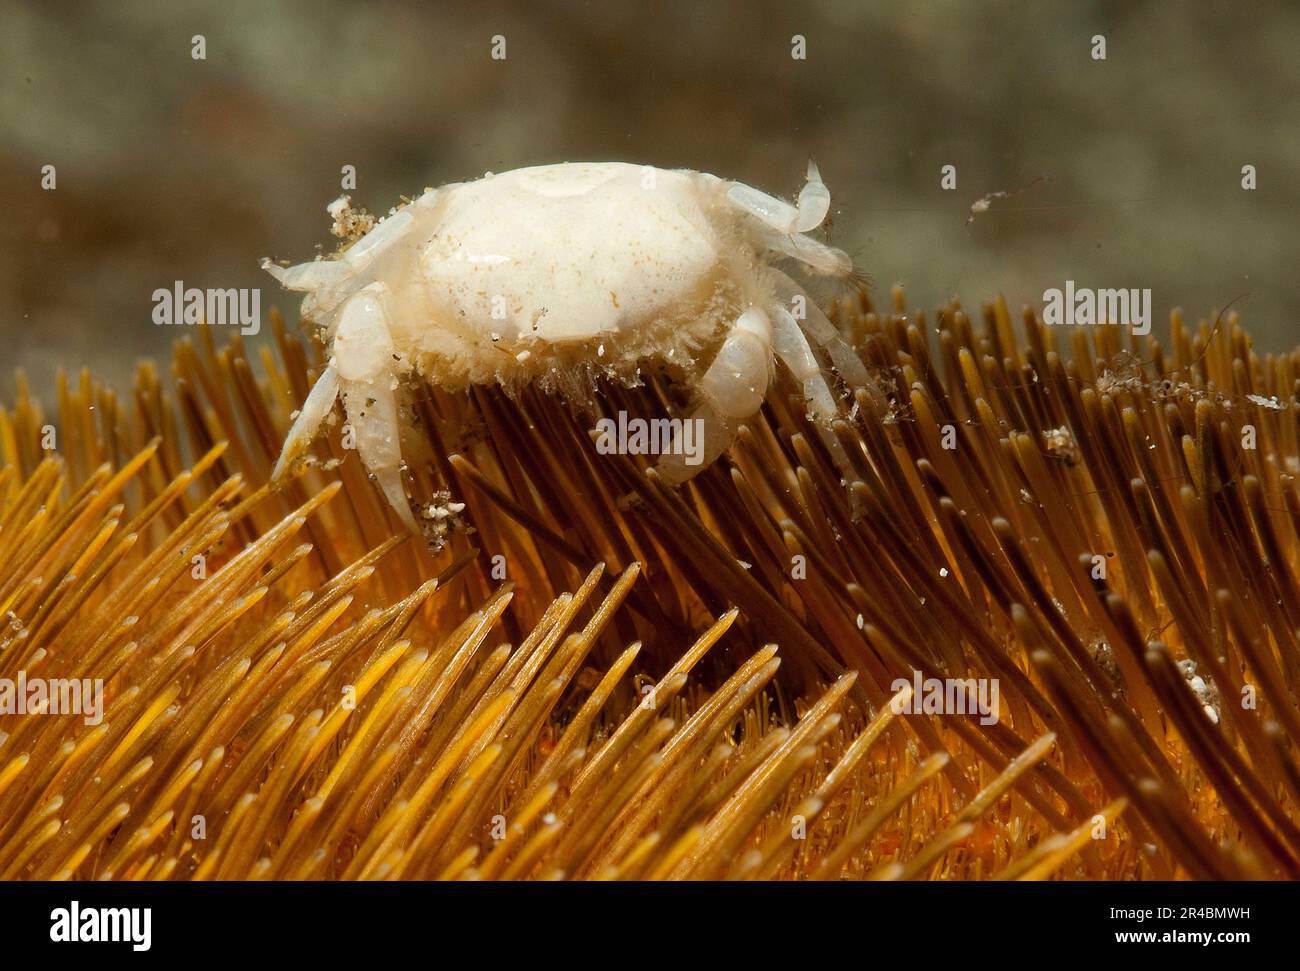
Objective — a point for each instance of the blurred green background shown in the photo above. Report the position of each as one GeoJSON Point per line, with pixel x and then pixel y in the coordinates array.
{"type": "Point", "coordinates": [1126, 172]}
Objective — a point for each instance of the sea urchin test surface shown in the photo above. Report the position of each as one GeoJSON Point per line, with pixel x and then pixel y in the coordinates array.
{"type": "Point", "coordinates": [559, 273]}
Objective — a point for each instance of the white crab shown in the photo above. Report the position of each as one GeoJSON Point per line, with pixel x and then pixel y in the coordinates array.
{"type": "Point", "coordinates": [576, 268]}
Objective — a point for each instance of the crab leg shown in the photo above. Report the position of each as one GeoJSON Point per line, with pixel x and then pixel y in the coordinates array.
{"type": "Point", "coordinates": [711, 429]}
{"type": "Point", "coordinates": [732, 389]}
{"type": "Point", "coordinates": [372, 413]}
{"type": "Point", "coordinates": [814, 203]}
{"type": "Point", "coordinates": [737, 378]}
{"type": "Point", "coordinates": [311, 275]}
{"type": "Point", "coordinates": [816, 325]}
{"type": "Point", "coordinates": [818, 257]}
{"type": "Point", "coordinates": [363, 354]}
{"type": "Point", "coordinates": [318, 404]}
{"type": "Point", "coordinates": [791, 346]}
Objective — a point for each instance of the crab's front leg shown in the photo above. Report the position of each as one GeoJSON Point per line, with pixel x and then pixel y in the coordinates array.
{"type": "Point", "coordinates": [361, 371]}
{"type": "Point", "coordinates": [365, 357]}
{"type": "Point", "coordinates": [314, 411]}
{"type": "Point", "coordinates": [783, 225]}
{"type": "Point", "coordinates": [814, 203]}
{"type": "Point", "coordinates": [317, 278]}
{"type": "Point", "coordinates": [732, 390]}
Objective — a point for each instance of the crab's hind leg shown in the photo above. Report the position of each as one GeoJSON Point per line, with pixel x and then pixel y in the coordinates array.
{"type": "Point", "coordinates": [732, 390]}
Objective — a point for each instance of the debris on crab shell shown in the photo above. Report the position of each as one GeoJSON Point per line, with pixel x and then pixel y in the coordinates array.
{"type": "Point", "coordinates": [561, 274]}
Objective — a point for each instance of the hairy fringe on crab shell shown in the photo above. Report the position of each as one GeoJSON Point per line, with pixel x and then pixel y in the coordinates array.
{"type": "Point", "coordinates": [295, 688]}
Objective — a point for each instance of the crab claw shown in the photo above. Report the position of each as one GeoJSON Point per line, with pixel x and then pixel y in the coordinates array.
{"type": "Point", "coordinates": [309, 276]}
{"type": "Point", "coordinates": [814, 201]}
